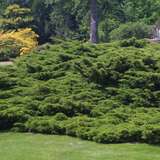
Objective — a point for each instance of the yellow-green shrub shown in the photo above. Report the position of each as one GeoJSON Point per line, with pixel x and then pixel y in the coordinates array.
{"type": "Point", "coordinates": [20, 42]}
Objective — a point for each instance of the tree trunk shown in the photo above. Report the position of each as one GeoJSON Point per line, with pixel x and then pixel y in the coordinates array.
{"type": "Point", "coordinates": [94, 22]}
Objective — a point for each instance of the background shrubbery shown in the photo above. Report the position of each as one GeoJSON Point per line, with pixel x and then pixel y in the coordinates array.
{"type": "Point", "coordinates": [138, 30]}
{"type": "Point", "coordinates": [107, 93]}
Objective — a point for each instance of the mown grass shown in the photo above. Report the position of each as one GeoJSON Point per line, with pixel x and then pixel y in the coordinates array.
{"type": "Point", "coordinates": [17, 146]}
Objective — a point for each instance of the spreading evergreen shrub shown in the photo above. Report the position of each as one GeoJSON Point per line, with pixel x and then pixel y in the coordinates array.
{"type": "Point", "coordinates": [108, 93]}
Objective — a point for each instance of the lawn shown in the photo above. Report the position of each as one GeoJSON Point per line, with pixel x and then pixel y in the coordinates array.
{"type": "Point", "coordinates": [17, 146]}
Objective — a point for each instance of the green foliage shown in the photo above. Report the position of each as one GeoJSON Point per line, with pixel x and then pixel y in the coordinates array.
{"type": "Point", "coordinates": [138, 30]}
{"type": "Point", "coordinates": [8, 51]}
{"type": "Point", "coordinates": [69, 19]}
{"type": "Point", "coordinates": [108, 93]}
{"type": "Point", "coordinates": [143, 10]}
{"type": "Point", "coordinates": [132, 42]}
{"type": "Point", "coordinates": [13, 115]}
{"type": "Point", "coordinates": [15, 17]}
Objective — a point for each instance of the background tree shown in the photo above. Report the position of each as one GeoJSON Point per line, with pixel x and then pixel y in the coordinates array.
{"type": "Point", "coordinates": [3, 5]}
{"type": "Point", "coordinates": [94, 22]}
{"type": "Point", "coordinates": [71, 18]}
{"type": "Point", "coordinates": [141, 10]}
{"type": "Point", "coordinates": [66, 18]}
{"type": "Point", "coordinates": [42, 22]}
{"type": "Point", "coordinates": [15, 36]}
{"type": "Point", "coordinates": [15, 17]}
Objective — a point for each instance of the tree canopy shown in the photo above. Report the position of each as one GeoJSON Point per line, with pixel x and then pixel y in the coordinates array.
{"type": "Point", "coordinates": [71, 18]}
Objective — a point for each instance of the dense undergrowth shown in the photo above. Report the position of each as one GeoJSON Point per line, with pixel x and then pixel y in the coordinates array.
{"type": "Point", "coordinates": [107, 93]}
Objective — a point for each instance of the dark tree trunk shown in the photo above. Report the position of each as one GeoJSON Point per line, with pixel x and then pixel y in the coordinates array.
{"type": "Point", "coordinates": [94, 22]}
